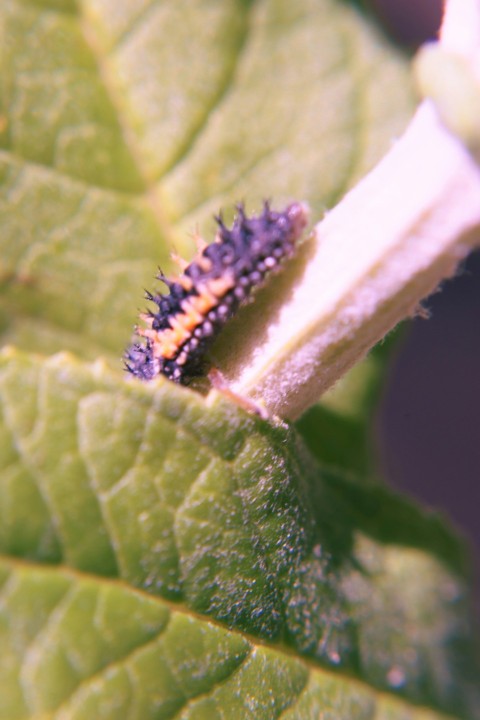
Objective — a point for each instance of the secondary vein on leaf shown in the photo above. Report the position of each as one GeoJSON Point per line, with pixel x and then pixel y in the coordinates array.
{"type": "Point", "coordinates": [106, 75]}
{"type": "Point", "coordinates": [207, 693]}
{"type": "Point", "coordinates": [137, 23]}
{"type": "Point", "coordinates": [255, 642]}
{"type": "Point", "coordinates": [222, 92]}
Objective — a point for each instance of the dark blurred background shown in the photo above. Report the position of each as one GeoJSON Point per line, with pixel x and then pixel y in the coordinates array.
{"type": "Point", "coordinates": [428, 425]}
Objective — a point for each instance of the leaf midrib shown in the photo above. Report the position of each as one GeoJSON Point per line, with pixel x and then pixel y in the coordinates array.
{"type": "Point", "coordinates": [309, 664]}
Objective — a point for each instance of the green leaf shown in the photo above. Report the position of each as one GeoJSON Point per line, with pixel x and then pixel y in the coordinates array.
{"type": "Point", "coordinates": [88, 649]}
{"type": "Point", "coordinates": [333, 595]}
{"type": "Point", "coordinates": [127, 125]}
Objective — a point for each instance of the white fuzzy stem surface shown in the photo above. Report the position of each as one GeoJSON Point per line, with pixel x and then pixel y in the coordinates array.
{"type": "Point", "coordinates": [386, 246]}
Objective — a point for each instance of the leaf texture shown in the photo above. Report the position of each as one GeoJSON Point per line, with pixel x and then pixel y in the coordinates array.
{"type": "Point", "coordinates": [127, 125]}
{"type": "Point", "coordinates": [223, 516]}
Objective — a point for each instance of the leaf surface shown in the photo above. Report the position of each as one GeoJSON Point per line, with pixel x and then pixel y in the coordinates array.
{"type": "Point", "coordinates": [216, 515]}
{"type": "Point", "coordinates": [127, 125]}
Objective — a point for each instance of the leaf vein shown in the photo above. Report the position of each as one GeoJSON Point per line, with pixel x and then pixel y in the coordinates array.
{"type": "Point", "coordinates": [216, 685]}
{"type": "Point", "coordinates": [136, 25]}
{"type": "Point", "coordinates": [298, 697]}
{"type": "Point", "coordinates": [95, 677]}
{"type": "Point", "coordinates": [222, 92]}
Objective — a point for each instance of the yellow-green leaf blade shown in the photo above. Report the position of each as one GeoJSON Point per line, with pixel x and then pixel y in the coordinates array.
{"type": "Point", "coordinates": [79, 647]}
{"type": "Point", "coordinates": [126, 125]}
{"type": "Point", "coordinates": [228, 516]}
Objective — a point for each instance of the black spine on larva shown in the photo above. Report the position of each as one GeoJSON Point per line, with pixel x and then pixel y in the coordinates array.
{"type": "Point", "coordinates": [247, 252]}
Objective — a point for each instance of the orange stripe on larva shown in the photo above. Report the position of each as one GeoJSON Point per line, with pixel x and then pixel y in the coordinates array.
{"type": "Point", "coordinates": [220, 286]}
{"type": "Point", "coordinates": [186, 282]}
{"type": "Point", "coordinates": [167, 343]}
{"type": "Point", "coordinates": [192, 312]}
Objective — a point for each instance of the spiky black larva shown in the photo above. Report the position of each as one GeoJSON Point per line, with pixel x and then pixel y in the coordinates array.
{"type": "Point", "coordinates": [211, 289]}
